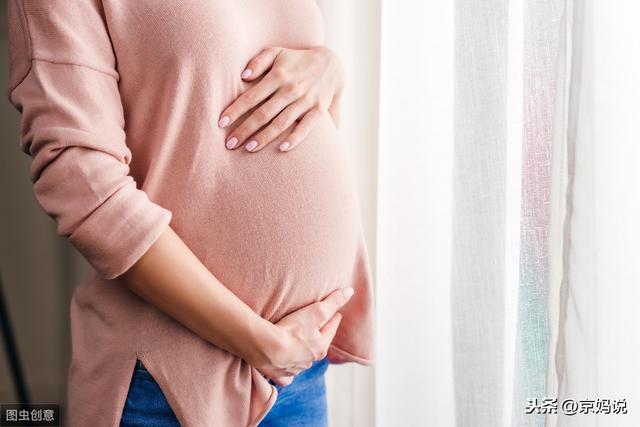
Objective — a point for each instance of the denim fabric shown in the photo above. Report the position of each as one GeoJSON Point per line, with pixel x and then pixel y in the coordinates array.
{"type": "Point", "coordinates": [146, 405]}
{"type": "Point", "coordinates": [301, 403]}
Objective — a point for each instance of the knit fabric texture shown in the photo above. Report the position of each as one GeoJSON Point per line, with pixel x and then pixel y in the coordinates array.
{"type": "Point", "coordinates": [119, 103]}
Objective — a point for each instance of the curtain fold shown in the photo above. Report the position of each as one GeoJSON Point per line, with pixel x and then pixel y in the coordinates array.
{"type": "Point", "coordinates": [542, 30]}
{"type": "Point", "coordinates": [479, 283]}
{"type": "Point", "coordinates": [594, 261]}
{"type": "Point", "coordinates": [463, 181]}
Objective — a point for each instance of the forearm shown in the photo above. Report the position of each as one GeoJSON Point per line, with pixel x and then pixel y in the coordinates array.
{"type": "Point", "coordinates": [171, 277]}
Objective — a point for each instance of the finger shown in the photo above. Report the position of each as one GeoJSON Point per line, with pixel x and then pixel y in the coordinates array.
{"type": "Point", "coordinates": [260, 63]}
{"type": "Point", "coordinates": [248, 100]}
{"type": "Point", "coordinates": [283, 373]}
{"type": "Point", "coordinates": [280, 123]}
{"type": "Point", "coordinates": [320, 312]}
{"type": "Point", "coordinates": [301, 130]}
{"type": "Point", "coordinates": [328, 331]}
{"type": "Point", "coordinates": [283, 381]}
{"type": "Point", "coordinates": [261, 117]}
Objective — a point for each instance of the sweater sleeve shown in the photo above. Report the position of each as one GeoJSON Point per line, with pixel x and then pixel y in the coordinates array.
{"type": "Point", "coordinates": [64, 82]}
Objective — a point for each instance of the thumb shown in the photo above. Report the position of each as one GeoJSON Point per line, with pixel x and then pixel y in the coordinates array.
{"type": "Point", "coordinates": [328, 331]}
{"type": "Point", "coordinates": [283, 381]}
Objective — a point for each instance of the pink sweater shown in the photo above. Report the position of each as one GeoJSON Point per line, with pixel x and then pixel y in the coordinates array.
{"type": "Point", "coordinates": [120, 101]}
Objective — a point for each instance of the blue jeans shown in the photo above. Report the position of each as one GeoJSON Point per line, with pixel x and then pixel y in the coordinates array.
{"type": "Point", "coordinates": [301, 403]}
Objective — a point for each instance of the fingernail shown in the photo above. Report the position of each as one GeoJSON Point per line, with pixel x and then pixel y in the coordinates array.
{"type": "Point", "coordinates": [347, 292]}
{"type": "Point", "coordinates": [246, 73]}
{"type": "Point", "coordinates": [251, 145]}
{"type": "Point", "coordinates": [224, 121]}
{"type": "Point", "coordinates": [284, 146]}
{"type": "Point", "coordinates": [232, 143]}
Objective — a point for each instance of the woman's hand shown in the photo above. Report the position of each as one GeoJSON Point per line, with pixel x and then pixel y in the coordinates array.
{"type": "Point", "coordinates": [299, 85]}
{"type": "Point", "coordinates": [301, 338]}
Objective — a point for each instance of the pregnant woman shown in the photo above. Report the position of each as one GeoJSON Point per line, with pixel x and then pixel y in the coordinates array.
{"type": "Point", "coordinates": [189, 150]}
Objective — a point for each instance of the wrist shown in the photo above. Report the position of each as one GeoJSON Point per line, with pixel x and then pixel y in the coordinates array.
{"type": "Point", "coordinates": [334, 64]}
{"type": "Point", "coordinates": [264, 342]}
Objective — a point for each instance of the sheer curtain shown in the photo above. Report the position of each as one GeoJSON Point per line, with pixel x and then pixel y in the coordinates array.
{"type": "Point", "coordinates": [495, 147]}
{"type": "Point", "coordinates": [594, 257]}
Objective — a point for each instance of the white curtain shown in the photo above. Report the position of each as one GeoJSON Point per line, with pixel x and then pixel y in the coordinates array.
{"type": "Point", "coordinates": [496, 153]}
{"type": "Point", "coordinates": [595, 229]}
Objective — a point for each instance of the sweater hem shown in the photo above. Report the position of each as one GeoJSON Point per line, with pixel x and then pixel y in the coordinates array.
{"type": "Point", "coordinates": [274, 393]}
{"type": "Point", "coordinates": [352, 357]}
{"type": "Point", "coordinates": [266, 408]}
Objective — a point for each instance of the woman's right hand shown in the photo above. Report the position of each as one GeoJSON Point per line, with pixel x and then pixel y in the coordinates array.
{"type": "Point", "coordinates": [173, 279]}
{"type": "Point", "coordinates": [300, 338]}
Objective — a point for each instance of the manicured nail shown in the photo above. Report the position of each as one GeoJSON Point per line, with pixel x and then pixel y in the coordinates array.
{"type": "Point", "coordinates": [284, 146]}
{"type": "Point", "coordinates": [251, 145]}
{"type": "Point", "coordinates": [232, 143]}
{"type": "Point", "coordinates": [347, 292]}
{"type": "Point", "coordinates": [246, 73]}
{"type": "Point", "coordinates": [224, 121]}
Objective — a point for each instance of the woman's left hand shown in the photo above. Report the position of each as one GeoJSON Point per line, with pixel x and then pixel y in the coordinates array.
{"type": "Point", "coordinates": [299, 85]}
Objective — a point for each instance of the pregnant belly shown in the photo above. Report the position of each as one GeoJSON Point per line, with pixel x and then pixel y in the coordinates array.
{"type": "Point", "coordinates": [278, 229]}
